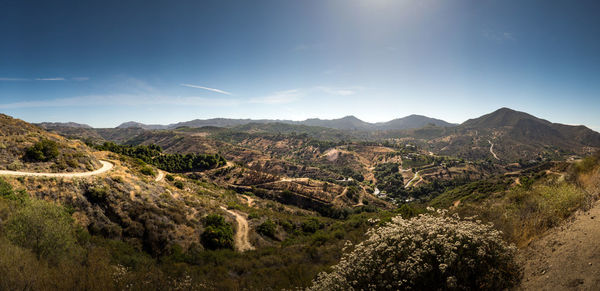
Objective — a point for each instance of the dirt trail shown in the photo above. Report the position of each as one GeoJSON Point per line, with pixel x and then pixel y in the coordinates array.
{"type": "Point", "coordinates": [415, 177]}
{"type": "Point", "coordinates": [160, 176]}
{"type": "Point", "coordinates": [566, 258]}
{"type": "Point", "coordinates": [336, 198]}
{"type": "Point", "coordinates": [249, 200]}
{"type": "Point", "coordinates": [106, 166]}
{"type": "Point", "coordinates": [492, 150]}
{"type": "Point", "coordinates": [241, 239]}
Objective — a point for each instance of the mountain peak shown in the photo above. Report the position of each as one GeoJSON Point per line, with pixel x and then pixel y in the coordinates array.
{"type": "Point", "coordinates": [502, 117]}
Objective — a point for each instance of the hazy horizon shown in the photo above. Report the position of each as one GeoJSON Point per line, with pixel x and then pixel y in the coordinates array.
{"type": "Point", "coordinates": [107, 63]}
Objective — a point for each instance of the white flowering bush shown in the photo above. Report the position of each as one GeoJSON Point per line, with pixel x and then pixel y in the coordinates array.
{"type": "Point", "coordinates": [428, 252]}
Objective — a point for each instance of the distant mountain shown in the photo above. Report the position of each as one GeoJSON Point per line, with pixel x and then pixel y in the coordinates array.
{"type": "Point", "coordinates": [344, 123]}
{"type": "Point", "coordinates": [515, 135]}
{"type": "Point", "coordinates": [133, 124]}
{"type": "Point", "coordinates": [530, 129]}
{"type": "Point", "coordinates": [412, 121]}
{"type": "Point", "coordinates": [62, 124]}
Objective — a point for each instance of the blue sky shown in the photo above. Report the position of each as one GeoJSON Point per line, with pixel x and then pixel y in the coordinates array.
{"type": "Point", "coordinates": [106, 62]}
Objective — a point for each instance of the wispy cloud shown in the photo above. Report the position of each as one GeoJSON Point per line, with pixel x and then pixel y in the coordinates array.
{"type": "Point", "coordinates": [206, 88]}
{"type": "Point", "coordinates": [498, 36]}
{"type": "Point", "coordinates": [44, 79]}
{"type": "Point", "coordinates": [279, 97]}
{"type": "Point", "coordinates": [13, 79]}
{"type": "Point", "coordinates": [50, 79]}
{"type": "Point", "coordinates": [123, 100]}
{"type": "Point", "coordinates": [338, 91]}
{"type": "Point", "coordinates": [148, 97]}
{"type": "Point", "coordinates": [289, 96]}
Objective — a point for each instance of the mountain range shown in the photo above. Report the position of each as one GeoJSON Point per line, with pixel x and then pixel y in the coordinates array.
{"type": "Point", "coordinates": [344, 123]}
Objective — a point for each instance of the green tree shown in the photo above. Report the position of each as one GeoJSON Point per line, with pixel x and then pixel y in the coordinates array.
{"type": "Point", "coordinates": [42, 151]}
{"type": "Point", "coordinates": [267, 228]}
{"type": "Point", "coordinates": [43, 227]}
{"type": "Point", "coordinates": [217, 234]}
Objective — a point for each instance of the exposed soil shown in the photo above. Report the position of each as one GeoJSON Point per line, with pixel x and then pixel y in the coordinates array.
{"type": "Point", "coordinates": [567, 257]}
{"type": "Point", "coordinates": [160, 176]}
{"type": "Point", "coordinates": [241, 238]}
{"type": "Point", "coordinates": [106, 166]}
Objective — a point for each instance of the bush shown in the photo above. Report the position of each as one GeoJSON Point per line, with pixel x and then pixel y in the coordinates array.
{"type": "Point", "coordinates": [178, 184]}
{"type": "Point", "coordinates": [426, 253]}
{"type": "Point", "coordinates": [148, 171]}
{"type": "Point", "coordinates": [311, 225]}
{"type": "Point", "coordinates": [217, 234]}
{"type": "Point", "coordinates": [169, 177]}
{"type": "Point", "coordinates": [267, 228]}
{"type": "Point", "coordinates": [44, 228]}
{"type": "Point", "coordinates": [43, 151]}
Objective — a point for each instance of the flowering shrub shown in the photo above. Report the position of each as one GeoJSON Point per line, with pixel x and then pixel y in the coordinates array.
{"type": "Point", "coordinates": [428, 252]}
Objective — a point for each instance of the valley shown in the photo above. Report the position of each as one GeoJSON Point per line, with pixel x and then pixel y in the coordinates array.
{"type": "Point", "coordinates": [243, 205]}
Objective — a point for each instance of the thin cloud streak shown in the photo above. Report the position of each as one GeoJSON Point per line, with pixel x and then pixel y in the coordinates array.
{"type": "Point", "coordinates": [206, 88]}
{"type": "Point", "coordinates": [124, 100]}
{"type": "Point", "coordinates": [50, 79]}
{"type": "Point", "coordinates": [498, 36]}
{"type": "Point", "coordinates": [80, 78]}
{"type": "Point", "coordinates": [279, 97]}
{"type": "Point", "coordinates": [14, 79]}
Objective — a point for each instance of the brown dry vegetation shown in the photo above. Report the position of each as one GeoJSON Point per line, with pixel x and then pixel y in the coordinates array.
{"type": "Point", "coordinates": [16, 136]}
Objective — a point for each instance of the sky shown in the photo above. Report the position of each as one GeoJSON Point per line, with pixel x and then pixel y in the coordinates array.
{"type": "Point", "coordinates": [159, 62]}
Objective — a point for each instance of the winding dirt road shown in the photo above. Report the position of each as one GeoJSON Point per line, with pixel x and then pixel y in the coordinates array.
{"type": "Point", "coordinates": [492, 150]}
{"type": "Point", "coordinates": [241, 238]}
{"type": "Point", "coordinates": [106, 166]}
{"type": "Point", "coordinates": [160, 176]}
{"type": "Point", "coordinates": [412, 181]}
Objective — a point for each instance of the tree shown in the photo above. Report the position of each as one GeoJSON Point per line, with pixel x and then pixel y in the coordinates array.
{"type": "Point", "coordinates": [267, 228]}
{"type": "Point", "coordinates": [42, 151]}
{"type": "Point", "coordinates": [217, 234]}
{"type": "Point", "coordinates": [43, 227]}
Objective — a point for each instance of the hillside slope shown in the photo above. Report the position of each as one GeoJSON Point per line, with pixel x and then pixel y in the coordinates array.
{"type": "Point", "coordinates": [26, 147]}
{"type": "Point", "coordinates": [516, 136]}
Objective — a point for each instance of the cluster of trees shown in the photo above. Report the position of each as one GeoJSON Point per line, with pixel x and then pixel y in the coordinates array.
{"type": "Point", "coordinates": [42, 151]}
{"type": "Point", "coordinates": [389, 179]}
{"type": "Point", "coordinates": [177, 163]}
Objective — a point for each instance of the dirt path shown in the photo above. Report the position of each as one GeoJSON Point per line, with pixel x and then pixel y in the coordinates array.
{"type": "Point", "coordinates": [249, 200]}
{"type": "Point", "coordinates": [567, 258]}
{"type": "Point", "coordinates": [492, 150]}
{"type": "Point", "coordinates": [241, 239]}
{"type": "Point", "coordinates": [360, 199]}
{"type": "Point", "coordinates": [160, 176]}
{"type": "Point", "coordinates": [106, 166]}
{"type": "Point", "coordinates": [415, 177]}
{"type": "Point", "coordinates": [336, 198]}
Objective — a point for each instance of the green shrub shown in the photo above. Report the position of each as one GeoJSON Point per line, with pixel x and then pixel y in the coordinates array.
{"type": "Point", "coordinates": [217, 234]}
{"type": "Point", "coordinates": [267, 228]}
{"type": "Point", "coordinates": [96, 194]}
{"type": "Point", "coordinates": [426, 253]}
{"type": "Point", "coordinates": [42, 151]}
{"type": "Point", "coordinates": [311, 225]}
{"type": "Point", "coordinates": [44, 228]}
{"type": "Point", "coordinates": [178, 184]}
{"type": "Point", "coordinates": [169, 177]}
{"type": "Point", "coordinates": [7, 192]}
{"type": "Point", "coordinates": [148, 171]}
